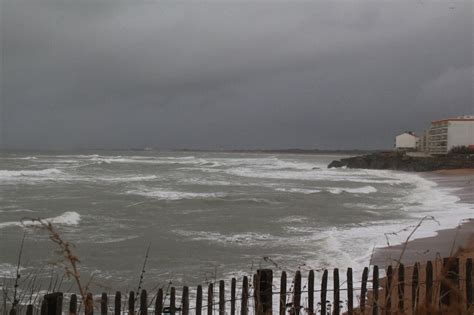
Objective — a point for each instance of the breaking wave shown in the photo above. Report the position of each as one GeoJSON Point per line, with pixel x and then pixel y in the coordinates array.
{"type": "Point", "coordinates": [28, 173]}
{"type": "Point", "coordinates": [174, 195]}
{"type": "Point", "coordinates": [67, 218]}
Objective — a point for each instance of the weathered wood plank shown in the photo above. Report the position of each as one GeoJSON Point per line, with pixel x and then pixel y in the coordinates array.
{"type": "Point", "coordinates": [375, 290]}
{"type": "Point", "coordinates": [73, 305]}
{"type": "Point", "coordinates": [401, 288]}
{"type": "Point", "coordinates": [221, 297]}
{"type": "Point", "coordinates": [103, 304]}
{"type": "Point", "coordinates": [199, 300]}
{"type": "Point", "coordinates": [185, 301]}
{"type": "Point", "coordinates": [415, 284]}
{"type": "Point", "coordinates": [245, 296]}
{"type": "Point", "coordinates": [173, 301]}
{"type": "Point", "coordinates": [265, 291]}
{"type": "Point", "coordinates": [468, 283]}
{"type": "Point", "coordinates": [283, 293]}
{"type": "Point", "coordinates": [324, 292]}
{"type": "Point", "coordinates": [210, 298]}
{"type": "Point", "coordinates": [233, 285]}
{"type": "Point", "coordinates": [350, 292]}
{"type": "Point", "coordinates": [297, 293]}
{"type": "Point", "coordinates": [143, 303]}
{"type": "Point", "coordinates": [88, 307]}
{"type": "Point", "coordinates": [429, 285]}
{"type": "Point", "coordinates": [388, 291]}
{"type": "Point", "coordinates": [159, 302]}
{"type": "Point", "coordinates": [337, 299]}
{"type": "Point", "coordinates": [311, 292]}
{"type": "Point", "coordinates": [363, 289]}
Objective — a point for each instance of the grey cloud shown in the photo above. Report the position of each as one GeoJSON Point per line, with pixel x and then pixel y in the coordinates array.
{"type": "Point", "coordinates": [230, 74]}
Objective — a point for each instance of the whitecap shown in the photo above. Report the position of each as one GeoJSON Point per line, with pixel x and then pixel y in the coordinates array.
{"type": "Point", "coordinates": [174, 195]}
{"type": "Point", "coordinates": [359, 190]}
{"type": "Point", "coordinates": [28, 173]}
{"type": "Point", "coordinates": [67, 218]}
{"type": "Point", "coordinates": [299, 190]}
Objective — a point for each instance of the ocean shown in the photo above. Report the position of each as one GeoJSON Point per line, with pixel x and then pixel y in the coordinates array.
{"type": "Point", "coordinates": [206, 215]}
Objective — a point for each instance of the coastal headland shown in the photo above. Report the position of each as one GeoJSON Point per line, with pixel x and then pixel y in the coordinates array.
{"type": "Point", "coordinates": [403, 161]}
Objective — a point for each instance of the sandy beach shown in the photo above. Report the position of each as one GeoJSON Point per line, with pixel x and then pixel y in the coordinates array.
{"type": "Point", "coordinates": [446, 242]}
{"type": "Point", "coordinates": [458, 242]}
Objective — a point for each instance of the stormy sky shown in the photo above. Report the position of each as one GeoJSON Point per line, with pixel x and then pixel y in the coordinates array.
{"type": "Point", "coordinates": [230, 73]}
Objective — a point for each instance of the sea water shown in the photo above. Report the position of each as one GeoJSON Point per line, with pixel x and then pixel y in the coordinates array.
{"type": "Point", "coordinates": [206, 215]}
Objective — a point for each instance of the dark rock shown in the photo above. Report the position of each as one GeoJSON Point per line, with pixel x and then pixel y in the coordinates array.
{"type": "Point", "coordinates": [402, 162]}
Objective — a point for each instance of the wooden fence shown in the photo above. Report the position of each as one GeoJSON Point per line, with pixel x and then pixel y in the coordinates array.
{"type": "Point", "coordinates": [442, 286]}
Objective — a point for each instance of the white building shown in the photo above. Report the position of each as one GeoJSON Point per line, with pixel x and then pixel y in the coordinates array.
{"type": "Point", "coordinates": [452, 132]}
{"type": "Point", "coordinates": [406, 140]}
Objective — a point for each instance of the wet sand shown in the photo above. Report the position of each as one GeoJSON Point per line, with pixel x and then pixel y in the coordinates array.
{"type": "Point", "coordinates": [446, 242]}
{"type": "Point", "coordinates": [458, 242]}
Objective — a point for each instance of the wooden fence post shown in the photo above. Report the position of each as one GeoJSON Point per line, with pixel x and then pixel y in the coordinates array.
{"type": "Point", "coordinates": [324, 292]}
{"type": "Point", "coordinates": [29, 310]}
{"type": "Point", "coordinates": [210, 298]}
{"type": "Point", "coordinates": [265, 291]}
{"type": "Point", "coordinates": [185, 301]}
{"type": "Point", "coordinates": [143, 303]}
{"type": "Point", "coordinates": [199, 300]}
{"type": "Point", "coordinates": [73, 305]}
{"type": "Point", "coordinates": [415, 288]}
{"type": "Point", "coordinates": [297, 293]}
{"type": "Point", "coordinates": [363, 289]}
{"type": "Point", "coordinates": [88, 305]}
{"type": "Point", "coordinates": [232, 296]}
{"type": "Point", "coordinates": [311, 292]}
{"type": "Point", "coordinates": [337, 299]}
{"type": "Point", "coordinates": [401, 288]}
{"type": "Point", "coordinates": [450, 283]}
{"type": "Point", "coordinates": [158, 303]}
{"type": "Point", "coordinates": [245, 296]}
{"type": "Point", "coordinates": [388, 291]}
{"type": "Point", "coordinates": [131, 303]}
{"type": "Point", "coordinates": [118, 303]}
{"type": "Point", "coordinates": [54, 302]}
{"type": "Point", "coordinates": [350, 292]}
{"type": "Point", "coordinates": [221, 297]}
{"type": "Point", "coordinates": [375, 289]}
{"type": "Point", "coordinates": [283, 293]}
{"type": "Point", "coordinates": [429, 285]}
{"type": "Point", "coordinates": [103, 304]}
{"type": "Point", "coordinates": [173, 301]}
{"type": "Point", "coordinates": [44, 307]}
{"type": "Point", "coordinates": [468, 283]}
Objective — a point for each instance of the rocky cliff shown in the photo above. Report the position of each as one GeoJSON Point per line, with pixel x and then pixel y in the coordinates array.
{"type": "Point", "coordinates": [402, 162]}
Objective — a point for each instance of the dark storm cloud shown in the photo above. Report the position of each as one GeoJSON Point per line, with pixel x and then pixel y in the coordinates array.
{"type": "Point", "coordinates": [231, 74]}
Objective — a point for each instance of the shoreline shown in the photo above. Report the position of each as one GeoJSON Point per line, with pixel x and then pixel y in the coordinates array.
{"type": "Point", "coordinates": [446, 242]}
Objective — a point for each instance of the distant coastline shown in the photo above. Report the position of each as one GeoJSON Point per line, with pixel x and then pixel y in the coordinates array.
{"type": "Point", "coordinates": [287, 151]}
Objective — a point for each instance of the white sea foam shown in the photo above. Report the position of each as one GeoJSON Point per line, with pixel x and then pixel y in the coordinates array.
{"type": "Point", "coordinates": [6, 174]}
{"type": "Point", "coordinates": [174, 195]}
{"type": "Point", "coordinates": [299, 190]}
{"type": "Point", "coordinates": [360, 190]}
{"type": "Point", "coordinates": [108, 240]}
{"type": "Point", "coordinates": [126, 179]}
{"type": "Point", "coordinates": [239, 239]}
{"type": "Point", "coordinates": [209, 182]}
{"type": "Point", "coordinates": [8, 270]}
{"type": "Point", "coordinates": [67, 218]}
